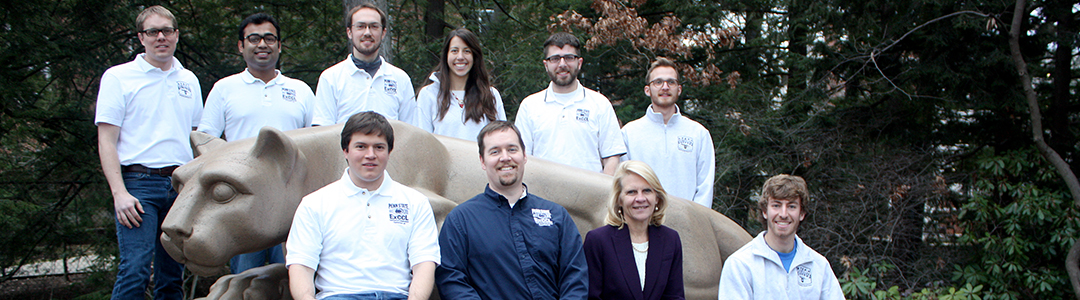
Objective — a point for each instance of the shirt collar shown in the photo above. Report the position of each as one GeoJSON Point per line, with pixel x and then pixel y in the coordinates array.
{"type": "Point", "coordinates": [145, 66]}
{"type": "Point", "coordinates": [577, 95]}
{"type": "Point", "coordinates": [499, 199]}
{"type": "Point", "coordinates": [249, 79]}
{"type": "Point", "coordinates": [659, 117]}
{"type": "Point", "coordinates": [353, 69]}
{"type": "Point", "coordinates": [353, 190]}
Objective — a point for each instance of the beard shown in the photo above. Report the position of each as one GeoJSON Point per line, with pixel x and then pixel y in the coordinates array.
{"type": "Point", "coordinates": [367, 51]}
{"type": "Point", "coordinates": [504, 181]}
{"type": "Point", "coordinates": [564, 82]}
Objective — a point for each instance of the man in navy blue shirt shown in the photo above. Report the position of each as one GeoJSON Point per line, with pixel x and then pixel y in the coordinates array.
{"type": "Point", "coordinates": [506, 243]}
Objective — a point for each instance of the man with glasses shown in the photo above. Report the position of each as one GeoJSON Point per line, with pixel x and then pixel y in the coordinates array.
{"type": "Point", "coordinates": [677, 148]}
{"type": "Point", "coordinates": [146, 109]}
{"type": "Point", "coordinates": [241, 104]}
{"type": "Point", "coordinates": [568, 123]}
{"type": "Point", "coordinates": [364, 81]}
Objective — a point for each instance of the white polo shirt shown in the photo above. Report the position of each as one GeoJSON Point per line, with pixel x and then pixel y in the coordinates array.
{"type": "Point", "coordinates": [360, 241]}
{"type": "Point", "coordinates": [577, 132]}
{"type": "Point", "coordinates": [154, 109]}
{"type": "Point", "coordinates": [240, 105]}
{"type": "Point", "coordinates": [453, 123]}
{"type": "Point", "coordinates": [345, 90]}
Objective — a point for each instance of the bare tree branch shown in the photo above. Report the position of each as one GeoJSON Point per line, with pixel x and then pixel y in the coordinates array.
{"type": "Point", "coordinates": [1059, 164]}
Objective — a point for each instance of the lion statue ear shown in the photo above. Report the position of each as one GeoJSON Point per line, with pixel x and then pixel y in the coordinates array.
{"type": "Point", "coordinates": [202, 143]}
{"type": "Point", "coordinates": [273, 146]}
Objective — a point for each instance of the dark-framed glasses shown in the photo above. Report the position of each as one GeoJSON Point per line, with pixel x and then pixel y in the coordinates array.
{"type": "Point", "coordinates": [269, 38]}
{"type": "Point", "coordinates": [361, 26]}
{"type": "Point", "coordinates": [168, 31]}
{"type": "Point", "coordinates": [660, 82]}
{"type": "Point", "coordinates": [557, 58]}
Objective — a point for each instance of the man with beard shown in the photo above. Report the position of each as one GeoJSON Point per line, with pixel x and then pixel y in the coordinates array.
{"type": "Point", "coordinates": [679, 149]}
{"type": "Point", "coordinates": [568, 123]}
{"type": "Point", "coordinates": [507, 243]}
{"type": "Point", "coordinates": [146, 109]}
{"type": "Point", "coordinates": [364, 81]}
{"type": "Point", "coordinates": [234, 106]}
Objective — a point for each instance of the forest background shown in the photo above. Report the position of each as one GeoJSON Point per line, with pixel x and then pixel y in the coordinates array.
{"type": "Point", "coordinates": [909, 119]}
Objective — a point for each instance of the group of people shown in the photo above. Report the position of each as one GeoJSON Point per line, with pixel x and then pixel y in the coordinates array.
{"type": "Point", "coordinates": [368, 237]}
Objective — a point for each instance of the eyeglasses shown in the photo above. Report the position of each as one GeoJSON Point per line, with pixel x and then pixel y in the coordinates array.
{"type": "Point", "coordinates": [362, 26]}
{"type": "Point", "coordinates": [168, 31]}
{"type": "Point", "coordinates": [270, 39]}
{"type": "Point", "coordinates": [660, 82]}
{"type": "Point", "coordinates": [557, 58]}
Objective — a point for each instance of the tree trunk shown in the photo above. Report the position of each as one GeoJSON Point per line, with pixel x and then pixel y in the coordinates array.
{"type": "Point", "coordinates": [387, 48]}
{"type": "Point", "coordinates": [433, 19]}
{"type": "Point", "coordinates": [1059, 164]}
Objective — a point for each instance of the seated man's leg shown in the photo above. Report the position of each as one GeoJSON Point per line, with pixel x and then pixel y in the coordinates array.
{"type": "Point", "coordinates": [369, 296]}
{"type": "Point", "coordinates": [243, 262]}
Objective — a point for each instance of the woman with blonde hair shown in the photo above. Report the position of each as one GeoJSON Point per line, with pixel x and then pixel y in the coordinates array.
{"type": "Point", "coordinates": [460, 99]}
{"type": "Point", "coordinates": [635, 246]}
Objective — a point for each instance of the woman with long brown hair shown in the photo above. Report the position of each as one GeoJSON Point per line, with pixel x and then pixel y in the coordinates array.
{"type": "Point", "coordinates": [460, 99]}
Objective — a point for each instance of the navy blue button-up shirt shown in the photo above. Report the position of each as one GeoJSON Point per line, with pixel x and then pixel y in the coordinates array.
{"type": "Point", "coordinates": [493, 251]}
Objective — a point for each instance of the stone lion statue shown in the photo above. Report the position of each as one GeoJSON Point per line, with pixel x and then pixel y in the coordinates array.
{"type": "Point", "coordinates": [240, 196]}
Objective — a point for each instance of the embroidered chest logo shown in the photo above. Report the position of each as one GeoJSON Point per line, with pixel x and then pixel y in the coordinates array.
{"type": "Point", "coordinates": [582, 115]}
{"type": "Point", "coordinates": [542, 217]}
{"type": "Point", "coordinates": [399, 213]}
{"type": "Point", "coordinates": [804, 276]}
{"type": "Point", "coordinates": [184, 89]}
{"type": "Point", "coordinates": [686, 144]}
{"type": "Point", "coordinates": [390, 86]}
{"type": "Point", "coordinates": [289, 95]}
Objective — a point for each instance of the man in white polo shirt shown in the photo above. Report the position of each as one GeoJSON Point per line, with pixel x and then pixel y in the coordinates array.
{"type": "Point", "coordinates": [364, 81]}
{"type": "Point", "coordinates": [364, 236]}
{"type": "Point", "coordinates": [146, 109]}
{"type": "Point", "coordinates": [679, 149]}
{"type": "Point", "coordinates": [241, 104]}
{"type": "Point", "coordinates": [568, 123]}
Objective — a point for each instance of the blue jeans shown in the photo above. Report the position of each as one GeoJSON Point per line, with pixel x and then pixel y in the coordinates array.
{"type": "Point", "coordinates": [369, 296]}
{"type": "Point", "coordinates": [139, 246]}
{"type": "Point", "coordinates": [243, 262]}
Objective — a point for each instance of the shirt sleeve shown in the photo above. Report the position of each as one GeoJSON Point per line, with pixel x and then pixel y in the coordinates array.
{"type": "Point", "coordinates": [424, 240]}
{"type": "Point", "coordinates": [706, 170]}
{"type": "Point", "coordinates": [450, 275]}
{"type": "Point", "coordinates": [111, 104]}
{"type": "Point", "coordinates": [325, 112]}
{"type": "Point", "coordinates": [407, 108]}
{"type": "Point", "coordinates": [427, 101]}
{"type": "Point", "coordinates": [610, 137]}
{"type": "Point", "coordinates": [594, 254]}
{"type": "Point", "coordinates": [197, 115]}
{"type": "Point", "coordinates": [304, 244]}
{"type": "Point", "coordinates": [735, 281]}
{"type": "Point", "coordinates": [213, 117]}
{"type": "Point", "coordinates": [500, 110]}
{"type": "Point", "coordinates": [832, 289]}
{"type": "Point", "coordinates": [524, 125]}
{"type": "Point", "coordinates": [675, 288]}
{"type": "Point", "coordinates": [574, 271]}
{"type": "Point", "coordinates": [308, 99]}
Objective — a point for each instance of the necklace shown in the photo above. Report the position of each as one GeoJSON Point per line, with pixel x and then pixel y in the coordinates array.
{"type": "Point", "coordinates": [646, 250]}
{"type": "Point", "coordinates": [460, 103]}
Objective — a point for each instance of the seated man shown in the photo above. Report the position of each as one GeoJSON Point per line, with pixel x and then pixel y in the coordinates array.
{"type": "Point", "coordinates": [507, 243]}
{"type": "Point", "coordinates": [777, 264]}
{"type": "Point", "coordinates": [368, 236]}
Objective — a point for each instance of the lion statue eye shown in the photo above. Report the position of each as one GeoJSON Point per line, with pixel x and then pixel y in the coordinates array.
{"type": "Point", "coordinates": [222, 192]}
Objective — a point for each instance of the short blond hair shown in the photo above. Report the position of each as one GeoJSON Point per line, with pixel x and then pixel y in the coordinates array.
{"type": "Point", "coordinates": [633, 167]}
{"type": "Point", "coordinates": [154, 10]}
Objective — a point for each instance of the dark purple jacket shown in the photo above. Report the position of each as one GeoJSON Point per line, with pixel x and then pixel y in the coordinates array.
{"type": "Point", "coordinates": [613, 273]}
